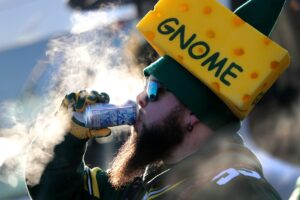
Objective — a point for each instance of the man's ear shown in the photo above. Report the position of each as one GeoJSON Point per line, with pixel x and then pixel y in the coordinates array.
{"type": "Point", "coordinates": [193, 119]}
{"type": "Point", "coordinates": [190, 120]}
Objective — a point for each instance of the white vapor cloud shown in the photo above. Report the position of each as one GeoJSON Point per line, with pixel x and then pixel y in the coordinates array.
{"type": "Point", "coordinates": [91, 58]}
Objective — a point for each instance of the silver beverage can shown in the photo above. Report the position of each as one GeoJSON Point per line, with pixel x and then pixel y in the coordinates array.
{"type": "Point", "coordinates": [99, 116]}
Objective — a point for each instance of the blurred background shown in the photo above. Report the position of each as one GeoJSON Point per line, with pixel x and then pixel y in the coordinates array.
{"type": "Point", "coordinates": [29, 31]}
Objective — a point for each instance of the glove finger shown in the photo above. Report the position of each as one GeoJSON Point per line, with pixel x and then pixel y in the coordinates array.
{"type": "Point", "coordinates": [69, 100]}
{"type": "Point", "coordinates": [100, 133]}
{"type": "Point", "coordinates": [81, 101]}
{"type": "Point", "coordinates": [83, 98]}
{"type": "Point", "coordinates": [92, 97]}
{"type": "Point", "coordinates": [85, 133]}
{"type": "Point", "coordinates": [103, 98]}
{"type": "Point", "coordinates": [71, 97]}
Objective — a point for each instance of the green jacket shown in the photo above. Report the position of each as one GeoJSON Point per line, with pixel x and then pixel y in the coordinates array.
{"type": "Point", "coordinates": [227, 171]}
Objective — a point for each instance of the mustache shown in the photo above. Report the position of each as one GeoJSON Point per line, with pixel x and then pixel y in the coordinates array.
{"type": "Point", "coordinates": [140, 115]}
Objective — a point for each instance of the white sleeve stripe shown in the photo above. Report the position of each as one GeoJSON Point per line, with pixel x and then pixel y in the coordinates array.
{"type": "Point", "coordinates": [89, 181]}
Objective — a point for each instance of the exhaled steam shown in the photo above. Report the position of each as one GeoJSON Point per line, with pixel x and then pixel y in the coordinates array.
{"type": "Point", "coordinates": [93, 60]}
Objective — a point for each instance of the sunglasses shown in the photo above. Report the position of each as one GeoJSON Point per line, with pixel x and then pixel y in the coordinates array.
{"type": "Point", "coordinates": [152, 89]}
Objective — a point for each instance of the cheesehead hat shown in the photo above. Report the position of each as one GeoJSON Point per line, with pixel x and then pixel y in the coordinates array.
{"type": "Point", "coordinates": [218, 63]}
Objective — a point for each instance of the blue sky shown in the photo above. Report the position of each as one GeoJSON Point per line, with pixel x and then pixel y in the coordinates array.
{"type": "Point", "coordinates": [24, 21]}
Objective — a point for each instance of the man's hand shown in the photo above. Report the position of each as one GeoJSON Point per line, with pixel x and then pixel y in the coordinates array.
{"type": "Point", "coordinates": [75, 104]}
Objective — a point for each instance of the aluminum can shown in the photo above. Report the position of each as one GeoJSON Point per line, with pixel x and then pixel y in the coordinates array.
{"type": "Point", "coordinates": [99, 116]}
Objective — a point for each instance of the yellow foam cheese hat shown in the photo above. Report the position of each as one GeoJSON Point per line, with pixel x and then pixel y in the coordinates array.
{"type": "Point", "coordinates": [236, 61]}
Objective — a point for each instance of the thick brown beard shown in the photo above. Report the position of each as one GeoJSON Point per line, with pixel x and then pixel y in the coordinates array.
{"type": "Point", "coordinates": [120, 173]}
{"type": "Point", "coordinates": [149, 147]}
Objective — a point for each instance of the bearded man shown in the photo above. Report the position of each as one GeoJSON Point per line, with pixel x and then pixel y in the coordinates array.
{"type": "Point", "coordinates": [184, 144]}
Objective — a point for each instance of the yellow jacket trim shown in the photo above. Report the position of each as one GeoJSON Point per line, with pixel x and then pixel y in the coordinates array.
{"type": "Point", "coordinates": [164, 191]}
{"type": "Point", "coordinates": [94, 182]}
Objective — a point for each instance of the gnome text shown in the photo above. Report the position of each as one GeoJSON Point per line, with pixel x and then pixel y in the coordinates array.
{"type": "Point", "coordinates": [220, 67]}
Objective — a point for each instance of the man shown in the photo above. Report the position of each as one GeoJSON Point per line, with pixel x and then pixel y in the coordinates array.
{"type": "Point", "coordinates": [184, 145]}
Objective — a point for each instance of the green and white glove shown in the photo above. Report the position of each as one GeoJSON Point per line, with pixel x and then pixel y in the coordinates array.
{"type": "Point", "coordinates": [75, 104]}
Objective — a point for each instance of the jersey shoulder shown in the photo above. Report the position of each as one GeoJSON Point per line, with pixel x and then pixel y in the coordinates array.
{"type": "Point", "coordinates": [242, 183]}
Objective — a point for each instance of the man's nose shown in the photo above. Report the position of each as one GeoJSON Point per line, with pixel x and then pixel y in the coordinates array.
{"type": "Point", "coordinates": [141, 99]}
